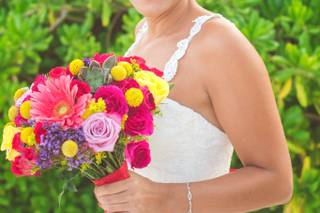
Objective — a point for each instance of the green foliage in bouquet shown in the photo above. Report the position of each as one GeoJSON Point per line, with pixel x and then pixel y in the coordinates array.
{"type": "Point", "coordinates": [37, 35]}
{"type": "Point", "coordinates": [95, 74]}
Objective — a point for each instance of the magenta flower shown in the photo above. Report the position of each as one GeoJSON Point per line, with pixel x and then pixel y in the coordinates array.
{"type": "Point", "coordinates": [114, 98]}
{"type": "Point", "coordinates": [101, 131]}
{"type": "Point", "coordinates": [139, 122]}
{"type": "Point", "coordinates": [138, 154]}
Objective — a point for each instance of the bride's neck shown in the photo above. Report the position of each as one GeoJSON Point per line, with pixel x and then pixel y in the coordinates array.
{"type": "Point", "coordinates": [168, 21]}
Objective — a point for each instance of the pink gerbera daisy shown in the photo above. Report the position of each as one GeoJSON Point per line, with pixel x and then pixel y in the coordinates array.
{"type": "Point", "coordinates": [57, 101]}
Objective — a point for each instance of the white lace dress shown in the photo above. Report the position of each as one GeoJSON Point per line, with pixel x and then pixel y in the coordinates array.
{"type": "Point", "coordinates": [185, 147]}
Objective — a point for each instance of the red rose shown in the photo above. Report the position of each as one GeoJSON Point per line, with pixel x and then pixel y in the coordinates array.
{"type": "Point", "coordinates": [142, 64]}
{"type": "Point", "coordinates": [101, 57]}
{"type": "Point", "coordinates": [137, 59]}
{"type": "Point", "coordinates": [139, 122]}
{"type": "Point", "coordinates": [17, 144]}
{"type": "Point", "coordinates": [40, 79]}
{"type": "Point", "coordinates": [153, 69]}
{"type": "Point", "coordinates": [138, 154]}
{"type": "Point", "coordinates": [57, 72]}
{"type": "Point", "coordinates": [126, 84]}
{"type": "Point", "coordinates": [148, 100]}
{"type": "Point", "coordinates": [114, 98]}
{"type": "Point", "coordinates": [83, 87]}
{"type": "Point", "coordinates": [19, 121]}
{"type": "Point", "coordinates": [39, 131]}
{"type": "Point", "coordinates": [22, 166]}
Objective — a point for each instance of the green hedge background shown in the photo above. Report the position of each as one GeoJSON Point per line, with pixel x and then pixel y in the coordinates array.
{"type": "Point", "coordinates": [37, 35]}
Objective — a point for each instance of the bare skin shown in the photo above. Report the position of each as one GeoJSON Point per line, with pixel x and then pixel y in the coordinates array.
{"type": "Point", "coordinates": [223, 78]}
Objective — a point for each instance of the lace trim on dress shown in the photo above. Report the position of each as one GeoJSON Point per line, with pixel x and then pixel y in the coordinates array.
{"type": "Point", "coordinates": [170, 68]}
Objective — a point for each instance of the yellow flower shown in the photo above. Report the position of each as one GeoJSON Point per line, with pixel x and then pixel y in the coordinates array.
{"type": "Point", "coordinates": [157, 85]}
{"type": "Point", "coordinates": [123, 120]}
{"type": "Point", "coordinates": [19, 93]}
{"type": "Point", "coordinates": [118, 73]}
{"type": "Point", "coordinates": [8, 134]}
{"type": "Point", "coordinates": [84, 167]}
{"type": "Point", "coordinates": [127, 66]}
{"type": "Point", "coordinates": [12, 154]}
{"type": "Point", "coordinates": [63, 162]}
{"type": "Point", "coordinates": [134, 97]}
{"type": "Point", "coordinates": [99, 156]}
{"type": "Point", "coordinates": [98, 106]}
{"type": "Point", "coordinates": [13, 112]}
{"type": "Point", "coordinates": [69, 148]}
{"type": "Point", "coordinates": [75, 66]}
{"type": "Point", "coordinates": [27, 136]}
{"type": "Point", "coordinates": [25, 109]}
{"type": "Point", "coordinates": [94, 107]}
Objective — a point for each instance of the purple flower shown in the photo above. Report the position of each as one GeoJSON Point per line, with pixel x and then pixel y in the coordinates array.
{"type": "Point", "coordinates": [50, 153]}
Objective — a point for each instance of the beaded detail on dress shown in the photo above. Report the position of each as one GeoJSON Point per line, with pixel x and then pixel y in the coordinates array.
{"type": "Point", "coordinates": [185, 146]}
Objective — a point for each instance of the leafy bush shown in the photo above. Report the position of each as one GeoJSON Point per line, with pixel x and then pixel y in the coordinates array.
{"type": "Point", "coordinates": [37, 35]}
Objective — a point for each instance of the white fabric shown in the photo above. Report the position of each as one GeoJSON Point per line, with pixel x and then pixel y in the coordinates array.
{"type": "Point", "coordinates": [185, 147]}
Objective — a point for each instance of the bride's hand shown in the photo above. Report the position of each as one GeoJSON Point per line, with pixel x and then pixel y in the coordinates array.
{"type": "Point", "coordinates": [136, 194]}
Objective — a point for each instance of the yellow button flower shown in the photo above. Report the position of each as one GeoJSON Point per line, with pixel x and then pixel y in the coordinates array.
{"type": "Point", "coordinates": [25, 109]}
{"type": "Point", "coordinates": [13, 112]}
{"type": "Point", "coordinates": [19, 93]}
{"type": "Point", "coordinates": [134, 97]}
{"type": "Point", "coordinates": [27, 136]}
{"type": "Point", "coordinates": [69, 148]}
{"type": "Point", "coordinates": [75, 66]}
{"type": "Point", "coordinates": [127, 66]}
{"type": "Point", "coordinates": [157, 85]}
{"type": "Point", "coordinates": [118, 73]}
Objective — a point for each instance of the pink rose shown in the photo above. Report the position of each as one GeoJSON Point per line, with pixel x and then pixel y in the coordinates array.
{"type": "Point", "coordinates": [101, 131]}
{"type": "Point", "coordinates": [101, 57]}
{"type": "Point", "coordinates": [139, 122]}
{"type": "Point", "coordinates": [138, 154]}
{"type": "Point", "coordinates": [114, 98]}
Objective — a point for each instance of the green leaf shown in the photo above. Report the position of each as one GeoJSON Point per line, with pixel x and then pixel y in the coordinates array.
{"type": "Point", "coordinates": [301, 92]}
{"type": "Point", "coordinates": [106, 13]}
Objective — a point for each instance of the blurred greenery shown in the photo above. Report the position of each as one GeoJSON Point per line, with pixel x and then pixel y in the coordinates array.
{"type": "Point", "coordinates": [37, 35]}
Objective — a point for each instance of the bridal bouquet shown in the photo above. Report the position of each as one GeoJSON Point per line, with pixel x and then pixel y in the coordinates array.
{"type": "Point", "coordinates": [92, 118]}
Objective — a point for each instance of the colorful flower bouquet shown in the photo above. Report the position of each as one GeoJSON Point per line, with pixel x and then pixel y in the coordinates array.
{"type": "Point", "coordinates": [92, 117]}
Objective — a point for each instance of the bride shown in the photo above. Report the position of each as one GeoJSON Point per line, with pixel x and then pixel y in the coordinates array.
{"type": "Point", "coordinates": [222, 100]}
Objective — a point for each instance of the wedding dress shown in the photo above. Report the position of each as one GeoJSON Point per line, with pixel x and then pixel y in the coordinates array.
{"type": "Point", "coordinates": [185, 146]}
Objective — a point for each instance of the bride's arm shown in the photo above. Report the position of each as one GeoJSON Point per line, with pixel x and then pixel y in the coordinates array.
{"type": "Point", "coordinates": [240, 91]}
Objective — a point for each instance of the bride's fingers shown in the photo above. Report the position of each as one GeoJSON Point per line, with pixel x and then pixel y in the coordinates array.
{"type": "Point", "coordinates": [119, 207]}
{"type": "Point", "coordinates": [121, 197]}
{"type": "Point", "coordinates": [111, 188]}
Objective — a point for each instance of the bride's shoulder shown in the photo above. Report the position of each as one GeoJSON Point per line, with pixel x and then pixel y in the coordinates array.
{"type": "Point", "coordinates": [221, 36]}
{"type": "Point", "coordinates": [225, 45]}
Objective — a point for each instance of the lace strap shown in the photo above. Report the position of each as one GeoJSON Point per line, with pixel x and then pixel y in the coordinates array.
{"type": "Point", "coordinates": [170, 68]}
{"type": "Point", "coordinates": [138, 37]}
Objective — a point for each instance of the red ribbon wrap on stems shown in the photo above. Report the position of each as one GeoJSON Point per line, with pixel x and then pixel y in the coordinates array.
{"type": "Point", "coordinates": [119, 174]}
